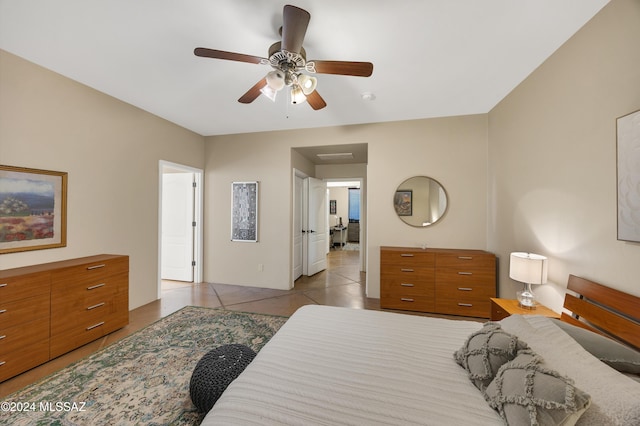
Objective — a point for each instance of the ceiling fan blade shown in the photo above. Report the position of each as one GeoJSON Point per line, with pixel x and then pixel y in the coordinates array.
{"type": "Point", "coordinates": [253, 93]}
{"type": "Point", "coordinates": [358, 69]}
{"type": "Point", "coordinates": [315, 100]}
{"type": "Point", "coordinates": [294, 27]}
{"type": "Point", "coordinates": [230, 56]}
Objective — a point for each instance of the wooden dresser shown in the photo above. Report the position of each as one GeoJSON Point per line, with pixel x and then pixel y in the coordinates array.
{"type": "Point", "coordinates": [50, 309]}
{"type": "Point", "coordinates": [444, 281]}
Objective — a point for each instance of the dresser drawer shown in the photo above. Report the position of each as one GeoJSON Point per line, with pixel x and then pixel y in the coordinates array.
{"type": "Point", "coordinates": [23, 359]}
{"type": "Point", "coordinates": [407, 285]}
{"type": "Point", "coordinates": [86, 330]}
{"type": "Point", "coordinates": [466, 307]}
{"type": "Point", "coordinates": [408, 302]}
{"type": "Point", "coordinates": [406, 259]}
{"type": "Point", "coordinates": [469, 292]}
{"type": "Point", "coordinates": [91, 273]}
{"type": "Point", "coordinates": [408, 273]}
{"type": "Point", "coordinates": [35, 308]}
{"type": "Point", "coordinates": [22, 335]}
{"type": "Point", "coordinates": [466, 261]}
{"type": "Point", "coordinates": [23, 286]}
{"type": "Point", "coordinates": [466, 278]}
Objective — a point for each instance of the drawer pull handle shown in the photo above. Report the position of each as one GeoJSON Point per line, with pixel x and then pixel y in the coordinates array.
{"type": "Point", "coordinates": [102, 265]}
{"type": "Point", "coordinates": [93, 287]}
{"type": "Point", "coordinates": [467, 305]}
{"type": "Point", "coordinates": [2, 311]}
{"type": "Point", "coordinates": [465, 289]}
{"type": "Point", "coordinates": [2, 363]}
{"type": "Point", "coordinates": [91, 327]}
{"type": "Point", "coordinates": [3, 285]}
{"type": "Point", "coordinates": [465, 257]}
{"type": "Point", "coordinates": [95, 306]}
{"type": "Point", "coordinates": [406, 270]}
{"type": "Point", "coordinates": [3, 336]}
{"type": "Point", "coordinates": [407, 285]}
{"type": "Point", "coordinates": [406, 299]}
{"type": "Point", "coordinates": [406, 255]}
{"type": "Point", "coordinates": [465, 273]}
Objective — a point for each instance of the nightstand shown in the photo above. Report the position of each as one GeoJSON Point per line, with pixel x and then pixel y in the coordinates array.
{"type": "Point", "coordinates": [502, 308]}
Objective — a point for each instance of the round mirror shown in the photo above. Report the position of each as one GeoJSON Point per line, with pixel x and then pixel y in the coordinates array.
{"type": "Point", "coordinates": [420, 201]}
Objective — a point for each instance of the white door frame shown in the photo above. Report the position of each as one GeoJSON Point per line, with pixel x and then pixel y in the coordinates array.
{"type": "Point", "coordinates": [198, 215]}
{"type": "Point", "coordinates": [363, 217]}
{"type": "Point", "coordinates": [297, 240]}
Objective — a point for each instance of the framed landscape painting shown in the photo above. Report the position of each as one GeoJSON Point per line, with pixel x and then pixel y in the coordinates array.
{"type": "Point", "coordinates": [33, 209]}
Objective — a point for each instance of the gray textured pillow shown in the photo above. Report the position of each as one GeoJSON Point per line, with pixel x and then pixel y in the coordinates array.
{"type": "Point", "coordinates": [485, 351]}
{"type": "Point", "coordinates": [526, 392]}
{"type": "Point", "coordinates": [612, 353]}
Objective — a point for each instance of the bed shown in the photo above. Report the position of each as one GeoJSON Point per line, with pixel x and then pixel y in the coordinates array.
{"type": "Point", "coordinates": [340, 366]}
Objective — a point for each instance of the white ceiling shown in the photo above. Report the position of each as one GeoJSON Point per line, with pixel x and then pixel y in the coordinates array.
{"type": "Point", "coordinates": [431, 58]}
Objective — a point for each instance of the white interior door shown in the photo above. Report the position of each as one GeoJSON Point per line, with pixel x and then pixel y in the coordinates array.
{"type": "Point", "coordinates": [297, 227]}
{"type": "Point", "coordinates": [316, 226]}
{"type": "Point", "coordinates": [177, 226]}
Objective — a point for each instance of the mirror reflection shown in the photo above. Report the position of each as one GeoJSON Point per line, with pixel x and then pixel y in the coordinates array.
{"type": "Point", "coordinates": [420, 201]}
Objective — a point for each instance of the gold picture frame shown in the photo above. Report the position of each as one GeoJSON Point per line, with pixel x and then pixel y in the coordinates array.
{"type": "Point", "coordinates": [33, 209]}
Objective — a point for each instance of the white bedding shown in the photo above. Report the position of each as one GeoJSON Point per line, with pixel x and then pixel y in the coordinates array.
{"type": "Point", "coordinates": [340, 366]}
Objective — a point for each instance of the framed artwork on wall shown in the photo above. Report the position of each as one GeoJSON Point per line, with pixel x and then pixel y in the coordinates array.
{"type": "Point", "coordinates": [244, 211]}
{"type": "Point", "coordinates": [403, 202]}
{"type": "Point", "coordinates": [332, 206]}
{"type": "Point", "coordinates": [628, 170]}
{"type": "Point", "coordinates": [33, 209]}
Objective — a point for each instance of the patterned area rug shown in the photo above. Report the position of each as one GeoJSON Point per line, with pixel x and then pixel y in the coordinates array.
{"type": "Point", "coordinates": [141, 379]}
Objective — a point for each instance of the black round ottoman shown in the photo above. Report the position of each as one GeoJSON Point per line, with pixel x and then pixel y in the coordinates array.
{"type": "Point", "coordinates": [215, 370]}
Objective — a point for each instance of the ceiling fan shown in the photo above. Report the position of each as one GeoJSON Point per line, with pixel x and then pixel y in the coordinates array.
{"type": "Point", "coordinates": [289, 61]}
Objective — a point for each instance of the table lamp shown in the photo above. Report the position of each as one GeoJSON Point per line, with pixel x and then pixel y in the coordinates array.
{"type": "Point", "coordinates": [530, 269]}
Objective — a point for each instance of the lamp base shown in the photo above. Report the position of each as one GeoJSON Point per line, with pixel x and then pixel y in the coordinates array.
{"type": "Point", "coordinates": [526, 299]}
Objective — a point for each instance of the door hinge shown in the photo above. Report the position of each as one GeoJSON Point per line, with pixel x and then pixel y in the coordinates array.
{"type": "Point", "coordinates": [194, 184]}
{"type": "Point", "coordinates": [193, 263]}
{"type": "Point", "coordinates": [193, 223]}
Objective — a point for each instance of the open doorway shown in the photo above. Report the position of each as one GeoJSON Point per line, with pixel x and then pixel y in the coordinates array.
{"type": "Point", "coordinates": [331, 163]}
{"type": "Point", "coordinates": [180, 225]}
{"type": "Point", "coordinates": [344, 214]}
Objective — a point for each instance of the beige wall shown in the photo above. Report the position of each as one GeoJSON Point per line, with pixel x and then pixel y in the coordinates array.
{"type": "Point", "coordinates": [111, 152]}
{"type": "Point", "coordinates": [452, 150]}
{"type": "Point", "coordinates": [552, 150]}
{"type": "Point", "coordinates": [536, 174]}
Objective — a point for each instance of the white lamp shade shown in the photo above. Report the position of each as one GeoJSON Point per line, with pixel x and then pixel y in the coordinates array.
{"type": "Point", "coordinates": [528, 268]}
{"type": "Point", "coordinates": [275, 80]}
{"type": "Point", "coordinates": [269, 92]}
{"type": "Point", "coordinates": [297, 96]}
{"type": "Point", "coordinates": [307, 84]}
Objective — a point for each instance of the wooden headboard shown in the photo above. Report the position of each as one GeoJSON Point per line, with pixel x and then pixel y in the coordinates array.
{"type": "Point", "coordinates": [603, 310]}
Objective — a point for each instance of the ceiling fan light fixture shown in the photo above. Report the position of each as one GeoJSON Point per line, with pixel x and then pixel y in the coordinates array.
{"type": "Point", "coordinates": [297, 95]}
{"type": "Point", "coordinates": [269, 92]}
{"type": "Point", "coordinates": [307, 84]}
{"type": "Point", "coordinates": [275, 80]}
